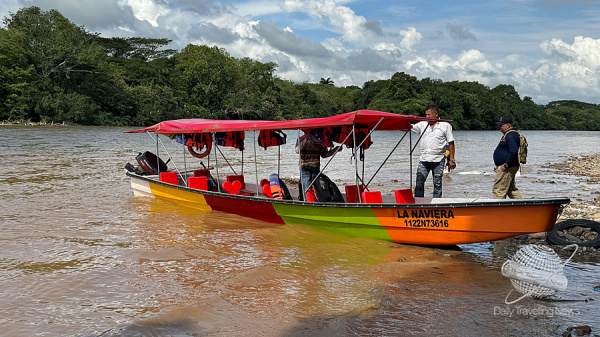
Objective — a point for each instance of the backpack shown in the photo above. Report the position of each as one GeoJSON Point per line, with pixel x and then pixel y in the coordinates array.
{"type": "Point", "coordinates": [522, 146]}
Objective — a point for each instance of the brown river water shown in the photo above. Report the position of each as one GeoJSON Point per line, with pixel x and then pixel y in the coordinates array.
{"type": "Point", "coordinates": [81, 256]}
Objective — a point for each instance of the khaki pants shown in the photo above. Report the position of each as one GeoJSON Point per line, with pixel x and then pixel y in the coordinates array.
{"type": "Point", "coordinates": [504, 185]}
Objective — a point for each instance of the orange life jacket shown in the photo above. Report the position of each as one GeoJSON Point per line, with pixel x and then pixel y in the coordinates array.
{"type": "Point", "coordinates": [233, 139]}
{"type": "Point", "coordinates": [267, 138]}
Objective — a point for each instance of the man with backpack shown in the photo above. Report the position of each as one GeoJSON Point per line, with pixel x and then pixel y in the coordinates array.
{"type": "Point", "coordinates": [506, 159]}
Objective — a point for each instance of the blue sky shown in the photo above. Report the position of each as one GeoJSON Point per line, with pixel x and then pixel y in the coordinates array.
{"type": "Point", "coordinates": [548, 49]}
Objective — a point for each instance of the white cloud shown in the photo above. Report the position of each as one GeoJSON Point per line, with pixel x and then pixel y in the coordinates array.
{"type": "Point", "coordinates": [327, 38]}
{"type": "Point", "coordinates": [340, 19]}
{"type": "Point", "coordinates": [257, 8]}
{"type": "Point", "coordinates": [410, 38]}
{"type": "Point", "coordinates": [584, 50]}
{"type": "Point", "coordinates": [147, 10]}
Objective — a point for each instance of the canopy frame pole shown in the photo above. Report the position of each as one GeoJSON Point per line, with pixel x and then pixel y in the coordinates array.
{"type": "Point", "coordinates": [170, 158]}
{"type": "Point", "coordinates": [227, 161]}
{"type": "Point", "coordinates": [388, 157]}
{"type": "Point", "coordinates": [242, 162]}
{"type": "Point", "coordinates": [216, 162]}
{"type": "Point", "coordinates": [327, 164]}
{"type": "Point", "coordinates": [362, 177]}
{"type": "Point", "coordinates": [410, 160]}
{"type": "Point", "coordinates": [255, 163]}
{"type": "Point", "coordinates": [356, 177]}
{"type": "Point", "coordinates": [184, 161]}
{"type": "Point", "coordinates": [301, 189]}
{"type": "Point", "coordinates": [278, 158]}
{"type": "Point", "coordinates": [370, 132]}
{"type": "Point", "coordinates": [157, 158]}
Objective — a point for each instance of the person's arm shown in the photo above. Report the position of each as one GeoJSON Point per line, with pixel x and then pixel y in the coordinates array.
{"type": "Point", "coordinates": [452, 162]}
{"type": "Point", "coordinates": [329, 152]}
{"type": "Point", "coordinates": [512, 140]}
{"type": "Point", "coordinates": [416, 128]}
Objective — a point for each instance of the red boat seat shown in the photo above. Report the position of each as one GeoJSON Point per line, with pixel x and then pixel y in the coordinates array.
{"type": "Point", "coordinates": [404, 196]}
{"type": "Point", "coordinates": [372, 197]}
{"type": "Point", "coordinates": [239, 178]}
{"type": "Point", "coordinates": [266, 189]}
{"type": "Point", "coordinates": [310, 195]}
{"type": "Point", "coordinates": [352, 193]}
{"type": "Point", "coordinates": [199, 183]}
{"type": "Point", "coordinates": [169, 178]}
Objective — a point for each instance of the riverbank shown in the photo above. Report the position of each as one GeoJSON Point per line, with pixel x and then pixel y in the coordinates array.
{"type": "Point", "coordinates": [588, 169]}
{"type": "Point", "coordinates": [30, 123]}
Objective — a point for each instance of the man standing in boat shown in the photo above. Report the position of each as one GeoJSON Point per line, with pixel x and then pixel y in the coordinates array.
{"type": "Point", "coordinates": [506, 159]}
{"type": "Point", "coordinates": [433, 152]}
{"type": "Point", "coordinates": [311, 149]}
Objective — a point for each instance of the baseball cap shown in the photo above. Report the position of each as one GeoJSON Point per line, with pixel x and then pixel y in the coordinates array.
{"type": "Point", "coordinates": [504, 120]}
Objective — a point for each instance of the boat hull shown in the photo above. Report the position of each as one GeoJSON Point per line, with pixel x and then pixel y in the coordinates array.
{"type": "Point", "coordinates": [424, 224]}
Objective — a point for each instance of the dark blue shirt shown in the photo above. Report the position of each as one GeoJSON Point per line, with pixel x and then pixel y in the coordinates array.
{"type": "Point", "coordinates": [507, 150]}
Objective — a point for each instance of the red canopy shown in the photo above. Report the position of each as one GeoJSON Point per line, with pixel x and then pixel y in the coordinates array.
{"type": "Point", "coordinates": [367, 117]}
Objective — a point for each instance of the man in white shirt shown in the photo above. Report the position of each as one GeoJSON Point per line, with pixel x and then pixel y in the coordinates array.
{"type": "Point", "coordinates": [433, 152]}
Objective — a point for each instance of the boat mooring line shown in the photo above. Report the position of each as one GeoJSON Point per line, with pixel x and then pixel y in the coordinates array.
{"type": "Point", "coordinates": [254, 140]}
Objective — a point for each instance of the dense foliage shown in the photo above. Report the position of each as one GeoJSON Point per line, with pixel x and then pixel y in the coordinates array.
{"type": "Point", "coordinates": [54, 71]}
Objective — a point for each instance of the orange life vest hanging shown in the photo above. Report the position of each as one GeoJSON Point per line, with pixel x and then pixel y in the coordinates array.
{"type": "Point", "coordinates": [233, 139]}
{"type": "Point", "coordinates": [361, 131]}
{"type": "Point", "coordinates": [196, 142]}
{"type": "Point", "coordinates": [267, 138]}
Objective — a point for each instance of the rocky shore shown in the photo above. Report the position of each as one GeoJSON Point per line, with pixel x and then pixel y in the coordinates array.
{"type": "Point", "coordinates": [588, 168]}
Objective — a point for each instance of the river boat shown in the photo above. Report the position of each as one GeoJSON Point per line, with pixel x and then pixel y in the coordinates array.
{"type": "Point", "coordinates": [356, 210]}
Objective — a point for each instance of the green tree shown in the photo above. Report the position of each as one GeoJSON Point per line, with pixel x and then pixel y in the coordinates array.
{"type": "Point", "coordinates": [207, 75]}
{"type": "Point", "coordinates": [15, 77]}
{"type": "Point", "coordinates": [326, 81]}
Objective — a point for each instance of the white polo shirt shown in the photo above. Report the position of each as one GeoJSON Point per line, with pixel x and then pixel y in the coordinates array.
{"type": "Point", "coordinates": [433, 143]}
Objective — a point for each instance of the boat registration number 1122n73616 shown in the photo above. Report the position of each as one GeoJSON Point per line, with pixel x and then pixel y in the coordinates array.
{"type": "Point", "coordinates": [435, 218]}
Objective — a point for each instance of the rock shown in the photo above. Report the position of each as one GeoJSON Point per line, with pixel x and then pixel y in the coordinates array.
{"type": "Point", "coordinates": [580, 330]}
{"type": "Point", "coordinates": [577, 231]}
{"type": "Point", "coordinates": [540, 235]}
{"type": "Point", "coordinates": [572, 238]}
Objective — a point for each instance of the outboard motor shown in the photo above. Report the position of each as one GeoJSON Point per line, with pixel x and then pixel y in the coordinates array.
{"type": "Point", "coordinates": [147, 164]}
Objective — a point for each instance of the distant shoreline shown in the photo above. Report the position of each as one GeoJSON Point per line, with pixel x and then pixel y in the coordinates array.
{"type": "Point", "coordinates": [28, 123]}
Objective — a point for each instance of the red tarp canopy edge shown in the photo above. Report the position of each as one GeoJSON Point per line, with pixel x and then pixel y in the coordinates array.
{"type": "Point", "coordinates": [367, 117]}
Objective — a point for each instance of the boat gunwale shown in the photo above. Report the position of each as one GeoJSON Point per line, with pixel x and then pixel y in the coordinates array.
{"type": "Point", "coordinates": [559, 201]}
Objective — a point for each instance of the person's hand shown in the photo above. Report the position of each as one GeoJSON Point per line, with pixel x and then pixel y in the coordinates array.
{"type": "Point", "coordinates": [451, 165]}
